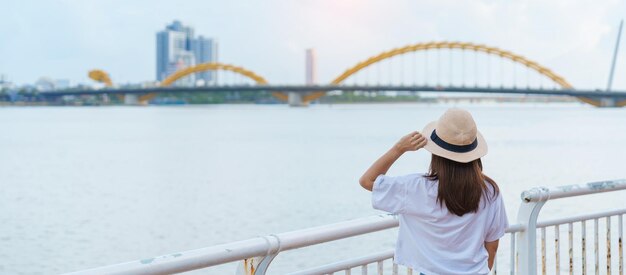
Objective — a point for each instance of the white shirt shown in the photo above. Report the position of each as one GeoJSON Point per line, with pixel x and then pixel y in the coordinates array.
{"type": "Point", "coordinates": [431, 239]}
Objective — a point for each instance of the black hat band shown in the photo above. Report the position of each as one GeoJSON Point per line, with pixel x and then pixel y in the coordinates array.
{"type": "Point", "coordinates": [451, 147]}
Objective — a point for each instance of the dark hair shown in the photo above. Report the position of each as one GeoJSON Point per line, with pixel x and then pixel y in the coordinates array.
{"type": "Point", "coordinates": [461, 185]}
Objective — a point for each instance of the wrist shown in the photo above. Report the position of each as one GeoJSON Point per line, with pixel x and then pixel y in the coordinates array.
{"type": "Point", "coordinates": [397, 150]}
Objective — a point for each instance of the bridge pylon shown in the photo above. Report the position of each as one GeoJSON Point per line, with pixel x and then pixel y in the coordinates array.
{"type": "Point", "coordinates": [607, 102]}
{"type": "Point", "coordinates": [131, 99]}
{"type": "Point", "coordinates": [296, 100]}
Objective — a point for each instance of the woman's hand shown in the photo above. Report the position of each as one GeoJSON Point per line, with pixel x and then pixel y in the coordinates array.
{"type": "Point", "coordinates": [411, 142]}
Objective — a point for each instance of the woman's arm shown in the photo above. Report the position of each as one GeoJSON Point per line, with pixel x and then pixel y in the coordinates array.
{"type": "Point", "coordinates": [410, 142]}
{"type": "Point", "coordinates": [492, 248]}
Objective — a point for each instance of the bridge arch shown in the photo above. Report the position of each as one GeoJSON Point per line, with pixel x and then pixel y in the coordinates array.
{"type": "Point", "coordinates": [451, 45]}
{"type": "Point", "coordinates": [212, 66]}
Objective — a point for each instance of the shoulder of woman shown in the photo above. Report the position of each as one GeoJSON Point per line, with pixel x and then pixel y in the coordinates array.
{"type": "Point", "coordinates": [415, 177]}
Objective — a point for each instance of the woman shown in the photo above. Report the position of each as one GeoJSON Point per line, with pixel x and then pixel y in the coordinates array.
{"type": "Point", "coordinates": [452, 217]}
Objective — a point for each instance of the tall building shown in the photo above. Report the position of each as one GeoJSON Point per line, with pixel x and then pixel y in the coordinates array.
{"type": "Point", "coordinates": [205, 50]}
{"type": "Point", "coordinates": [310, 67]}
{"type": "Point", "coordinates": [170, 50]}
{"type": "Point", "coordinates": [178, 48]}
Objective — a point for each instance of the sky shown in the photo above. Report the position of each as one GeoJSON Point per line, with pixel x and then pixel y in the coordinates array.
{"type": "Point", "coordinates": [64, 39]}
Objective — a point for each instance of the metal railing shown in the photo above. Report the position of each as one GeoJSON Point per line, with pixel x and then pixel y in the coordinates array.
{"type": "Point", "coordinates": [532, 202]}
{"type": "Point", "coordinates": [255, 255]}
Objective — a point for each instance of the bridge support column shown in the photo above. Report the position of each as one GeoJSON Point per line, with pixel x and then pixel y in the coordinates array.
{"type": "Point", "coordinates": [607, 102]}
{"type": "Point", "coordinates": [131, 100]}
{"type": "Point", "coordinates": [295, 100]}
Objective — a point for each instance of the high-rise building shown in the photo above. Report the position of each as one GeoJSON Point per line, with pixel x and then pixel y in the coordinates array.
{"type": "Point", "coordinates": [205, 50]}
{"type": "Point", "coordinates": [178, 48]}
{"type": "Point", "coordinates": [310, 67]}
{"type": "Point", "coordinates": [170, 49]}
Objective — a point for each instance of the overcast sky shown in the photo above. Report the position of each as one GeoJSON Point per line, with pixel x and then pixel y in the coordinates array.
{"type": "Point", "coordinates": [64, 39]}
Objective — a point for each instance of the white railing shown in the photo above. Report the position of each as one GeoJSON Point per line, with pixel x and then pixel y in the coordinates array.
{"type": "Point", "coordinates": [255, 255]}
{"type": "Point", "coordinates": [532, 202]}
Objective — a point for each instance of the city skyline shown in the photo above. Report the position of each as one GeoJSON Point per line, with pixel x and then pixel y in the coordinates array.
{"type": "Point", "coordinates": [574, 39]}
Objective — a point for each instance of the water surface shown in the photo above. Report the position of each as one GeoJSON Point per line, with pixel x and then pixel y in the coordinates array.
{"type": "Point", "coordinates": [90, 186]}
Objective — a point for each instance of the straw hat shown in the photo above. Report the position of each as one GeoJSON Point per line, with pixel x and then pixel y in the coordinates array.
{"type": "Point", "coordinates": [454, 136]}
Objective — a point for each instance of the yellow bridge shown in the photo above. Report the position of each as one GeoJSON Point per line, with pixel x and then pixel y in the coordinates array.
{"type": "Point", "coordinates": [542, 71]}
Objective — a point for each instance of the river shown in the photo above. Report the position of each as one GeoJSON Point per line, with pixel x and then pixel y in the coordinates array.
{"type": "Point", "coordinates": [90, 186]}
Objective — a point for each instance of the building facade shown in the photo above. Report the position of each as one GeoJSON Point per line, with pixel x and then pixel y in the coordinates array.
{"type": "Point", "coordinates": [178, 48]}
{"type": "Point", "coordinates": [205, 50]}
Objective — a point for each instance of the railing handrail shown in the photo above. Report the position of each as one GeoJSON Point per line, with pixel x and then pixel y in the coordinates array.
{"type": "Point", "coordinates": [579, 218]}
{"type": "Point", "coordinates": [255, 247]}
{"type": "Point", "coordinates": [532, 202]}
{"type": "Point", "coordinates": [275, 243]}
{"type": "Point", "coordinates": [566, 191]}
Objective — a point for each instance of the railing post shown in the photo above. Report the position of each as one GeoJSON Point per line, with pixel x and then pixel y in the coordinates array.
{"type": "Point", "coordinates": [532, 201]}
{"type": "Point", "coordinates": [259, 265]}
